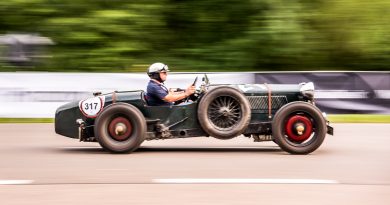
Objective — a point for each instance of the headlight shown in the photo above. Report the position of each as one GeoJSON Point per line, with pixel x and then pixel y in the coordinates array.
{"type": "Point", "coordinates": [307, 90]}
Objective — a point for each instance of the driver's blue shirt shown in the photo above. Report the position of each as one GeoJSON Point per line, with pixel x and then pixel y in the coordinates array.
{"type": "Point", "coordinates": [155, 93]}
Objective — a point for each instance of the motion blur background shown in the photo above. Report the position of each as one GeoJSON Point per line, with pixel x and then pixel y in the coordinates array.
{"type": "Point", "coordinates": [71, 39]}
{"type": "Point", "coordinates": [194, 35]}
{"type": "Point", "coordinates": [76, 47]}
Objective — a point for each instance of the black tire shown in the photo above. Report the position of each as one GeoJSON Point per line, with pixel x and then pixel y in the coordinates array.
{"type": "Point", "coordinates": [224, 112]}
{"type": "Point", "coordinates": [130, 117]}
{"type": "Point", "coordinates": [287, 119]}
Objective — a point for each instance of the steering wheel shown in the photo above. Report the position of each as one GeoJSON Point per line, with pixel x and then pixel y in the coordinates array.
{"type": "Point", "coordinates": [196, 80]}
{"type": "Point", "coordinates": [193, 84]}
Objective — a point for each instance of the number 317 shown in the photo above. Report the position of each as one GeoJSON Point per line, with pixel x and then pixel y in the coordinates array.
{"type": "Point", "coordinates": [91, 106]}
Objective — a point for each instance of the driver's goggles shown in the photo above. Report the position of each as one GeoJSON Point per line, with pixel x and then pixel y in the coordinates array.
{"type": "Point", "coordinates": [165, 69]}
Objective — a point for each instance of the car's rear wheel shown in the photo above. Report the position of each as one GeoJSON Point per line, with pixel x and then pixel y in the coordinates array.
{"type": "Point", "coordinates": [120, 128]}
{"type": "Point", "coordinates": [299, 128]}
{"type": "Point", "coordinates": [224, 112]}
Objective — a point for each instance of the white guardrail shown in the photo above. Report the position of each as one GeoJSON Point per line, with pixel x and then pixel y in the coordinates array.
{"type": "Point", "coordinates": [39, 94]}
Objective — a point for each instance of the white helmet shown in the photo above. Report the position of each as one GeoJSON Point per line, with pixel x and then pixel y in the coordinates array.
{"type": "Point", "coordinates": [157, 68]}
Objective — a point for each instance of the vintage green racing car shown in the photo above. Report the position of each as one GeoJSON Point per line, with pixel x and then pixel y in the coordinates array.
{"type": "Point", "coordinates": [121, 121]}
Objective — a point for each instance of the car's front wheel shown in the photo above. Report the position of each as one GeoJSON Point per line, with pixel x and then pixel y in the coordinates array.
{"type": "Point", "coordinates": [120, 128]}
{"type": "Point", "coordinates": [299, 128]}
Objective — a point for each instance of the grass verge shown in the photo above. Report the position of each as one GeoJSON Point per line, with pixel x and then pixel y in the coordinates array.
{"type": "Point", "coordinates": [26, 120]}
{"type": "Point", "coordinates": [359, 118]}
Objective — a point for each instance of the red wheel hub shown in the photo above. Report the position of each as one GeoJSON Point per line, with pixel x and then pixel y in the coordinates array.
{"type": "Point", "coordinates": [298, 128]}
{"type": "Point", "coordinates": [120, 128]}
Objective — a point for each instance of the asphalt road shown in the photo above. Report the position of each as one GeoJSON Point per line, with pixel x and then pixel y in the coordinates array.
{"type": "Point", "coordinates": [39, 167]}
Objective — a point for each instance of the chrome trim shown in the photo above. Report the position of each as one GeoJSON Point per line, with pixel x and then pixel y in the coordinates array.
{"type": "Point", "coordinates": [307, 90]}
{"type": "Point", "coordinates": [81, 125]}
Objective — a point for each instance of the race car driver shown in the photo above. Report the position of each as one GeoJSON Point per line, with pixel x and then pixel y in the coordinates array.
{"type": "Point", "coordinates": [156, 92]}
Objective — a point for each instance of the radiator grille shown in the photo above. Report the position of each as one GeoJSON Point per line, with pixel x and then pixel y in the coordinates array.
{"type": "Point", "coordinates": [261, 102]}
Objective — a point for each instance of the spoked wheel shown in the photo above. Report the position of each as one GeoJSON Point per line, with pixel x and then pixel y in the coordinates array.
{"type": "Point", "coordinates": [299, 128]}
{"type": "Point", "coordinates": [224, 112]}
{"type": "Point", "coordinates": [120, 128]}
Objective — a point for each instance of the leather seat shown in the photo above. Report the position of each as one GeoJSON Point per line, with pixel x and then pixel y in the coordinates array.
{"type": "Point", "coordinates": [144, 98]}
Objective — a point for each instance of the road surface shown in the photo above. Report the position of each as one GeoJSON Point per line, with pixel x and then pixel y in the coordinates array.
{"type": "Point", "coordinates": [38, 166]}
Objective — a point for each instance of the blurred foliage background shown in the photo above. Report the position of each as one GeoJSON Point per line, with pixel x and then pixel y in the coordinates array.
{"type": "Point", "coordinates": [204, 35]}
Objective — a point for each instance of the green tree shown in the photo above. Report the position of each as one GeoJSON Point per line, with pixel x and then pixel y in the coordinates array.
{"type": "Point", "coordinates": [205, 35]}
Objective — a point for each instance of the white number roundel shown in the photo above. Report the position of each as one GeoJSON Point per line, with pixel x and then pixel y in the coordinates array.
{"type": "Point", "coordinates": [91, 107]}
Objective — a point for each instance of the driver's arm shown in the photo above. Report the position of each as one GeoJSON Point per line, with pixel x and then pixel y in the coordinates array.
{"type": "Point", "coordinates": [173, 97]}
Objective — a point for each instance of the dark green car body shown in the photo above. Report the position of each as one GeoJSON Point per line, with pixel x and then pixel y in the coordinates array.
{"type": "Point", "coordinates": [182, 120]}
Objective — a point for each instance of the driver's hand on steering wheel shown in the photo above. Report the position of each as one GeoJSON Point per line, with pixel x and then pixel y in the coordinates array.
{"type": "Point", "coordinates": [190, 90]}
